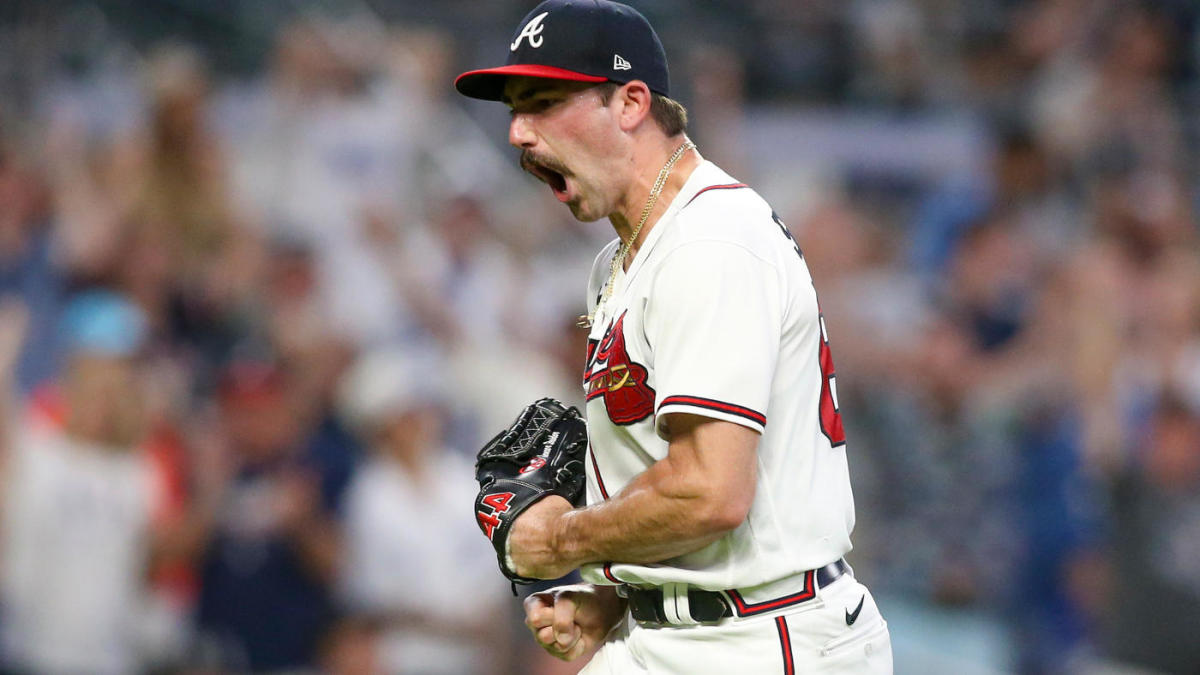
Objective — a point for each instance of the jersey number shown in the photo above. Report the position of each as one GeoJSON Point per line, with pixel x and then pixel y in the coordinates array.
{"type": "Point", "coordinates": [831, 416]}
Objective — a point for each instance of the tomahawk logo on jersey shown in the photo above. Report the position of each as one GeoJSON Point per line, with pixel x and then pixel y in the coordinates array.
{"type": "Point", "coordinates": [620, 381]}
{"type": "Point", "coordinates": [716, 298]}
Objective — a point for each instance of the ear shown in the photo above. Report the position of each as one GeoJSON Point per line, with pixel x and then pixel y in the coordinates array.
{"type": "Point", "coordinates": [633, 99]}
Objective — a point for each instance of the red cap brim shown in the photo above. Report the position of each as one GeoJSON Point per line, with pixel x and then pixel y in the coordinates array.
{"type": "Point", "coordinates": [488, 84]}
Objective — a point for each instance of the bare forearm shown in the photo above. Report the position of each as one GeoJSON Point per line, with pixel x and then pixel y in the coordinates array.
{"type": "Point", "coordinates": [699, 492]}
{"type": "Point", "coordinates": [654, 518]}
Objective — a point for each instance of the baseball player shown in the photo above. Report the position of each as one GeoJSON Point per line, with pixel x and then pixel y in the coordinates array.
{"type": "Point", "coordinates": [718, 496]}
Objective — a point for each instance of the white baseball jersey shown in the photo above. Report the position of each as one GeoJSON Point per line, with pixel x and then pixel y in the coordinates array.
{"type": "Point", "coordinates": [77, 518]}
{"type": "Point", "coordinates": [717, 316]}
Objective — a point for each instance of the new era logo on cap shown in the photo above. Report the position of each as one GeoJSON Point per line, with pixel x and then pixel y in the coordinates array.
{"type": "Point", "coordinates": [579, 40]}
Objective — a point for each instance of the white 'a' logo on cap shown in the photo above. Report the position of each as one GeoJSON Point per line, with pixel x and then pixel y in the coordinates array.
{"type": "Point", "coordinates": [533, 31]}
{"type": "Point", "coordinates": [620, 63]}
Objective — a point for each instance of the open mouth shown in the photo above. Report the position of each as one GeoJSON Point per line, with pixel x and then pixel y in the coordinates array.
{"type": "Point", "coordinates": [556, 179]}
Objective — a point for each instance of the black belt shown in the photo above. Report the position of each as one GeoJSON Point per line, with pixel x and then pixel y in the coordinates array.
{"type": "Point", "coordinates": [646, 604]}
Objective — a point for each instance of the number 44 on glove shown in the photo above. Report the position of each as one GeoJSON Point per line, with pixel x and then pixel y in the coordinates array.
{"type": "Point", "coordinates": [540, 454]}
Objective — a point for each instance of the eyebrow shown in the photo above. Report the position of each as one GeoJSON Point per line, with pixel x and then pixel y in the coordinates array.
{"type": "Point", "coordinates": [530, 92]}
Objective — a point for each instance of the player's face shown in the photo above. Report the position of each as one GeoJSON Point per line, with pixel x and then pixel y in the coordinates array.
{"type": "Point", "coordinates": [568, 140]}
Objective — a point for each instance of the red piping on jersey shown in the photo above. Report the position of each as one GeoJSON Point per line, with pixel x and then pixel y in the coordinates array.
{"type": "Point", "coordinates": [785, 643]}
{"type": "Point", "coordinates": [730, 186]}
{"type": "Point", "coordinates": [607, 568]}
{"type": "Point", "coordinates": [609, 575]}
{"type": "Point", "coordinates": [596, 468]}
{"type": "Point", "coordinates": [744, 608]}
{"type": "Point", "coordinates": [712, 404]}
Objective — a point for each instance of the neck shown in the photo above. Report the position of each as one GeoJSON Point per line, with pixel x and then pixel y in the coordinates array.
{"type": "Point", "coordinates": [626, 218]}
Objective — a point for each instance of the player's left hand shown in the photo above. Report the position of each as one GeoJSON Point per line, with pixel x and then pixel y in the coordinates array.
{"type": "Point", "coordinates": [538, 459]}
{"type": "Point", "coordinates": [531, 544]}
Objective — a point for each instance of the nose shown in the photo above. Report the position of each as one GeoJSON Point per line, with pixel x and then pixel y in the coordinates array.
{"type": "Point", "coordinates": [520, 131]}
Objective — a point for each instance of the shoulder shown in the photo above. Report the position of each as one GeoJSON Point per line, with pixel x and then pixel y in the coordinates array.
{"type": "Point", "coordinates": [725, 212]}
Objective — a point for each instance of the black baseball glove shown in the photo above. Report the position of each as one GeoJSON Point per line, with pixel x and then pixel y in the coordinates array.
{"type": "Point", "coordinates": [541, 454]}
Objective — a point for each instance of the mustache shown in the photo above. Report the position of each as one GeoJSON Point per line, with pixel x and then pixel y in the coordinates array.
{"type": "Point", "coordinates": [530, 160]}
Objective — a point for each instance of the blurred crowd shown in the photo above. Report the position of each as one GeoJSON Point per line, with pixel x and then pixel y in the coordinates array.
{"type": "Point", "coordinates": [255, 324]}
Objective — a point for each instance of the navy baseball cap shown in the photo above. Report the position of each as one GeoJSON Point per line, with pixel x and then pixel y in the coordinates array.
{"type": "Point", "coordinates": [579, 40]}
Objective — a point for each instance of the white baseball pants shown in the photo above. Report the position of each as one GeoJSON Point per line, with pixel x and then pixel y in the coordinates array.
{"type": "Point", "coordinates": [821, 636]}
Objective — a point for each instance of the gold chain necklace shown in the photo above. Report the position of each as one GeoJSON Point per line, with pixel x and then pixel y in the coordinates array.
{"type": "Point", "coordinates": [618, 260]}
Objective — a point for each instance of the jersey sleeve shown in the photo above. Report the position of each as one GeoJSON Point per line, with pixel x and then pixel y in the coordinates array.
{"type": "Point", "coordinates": [714, 323]}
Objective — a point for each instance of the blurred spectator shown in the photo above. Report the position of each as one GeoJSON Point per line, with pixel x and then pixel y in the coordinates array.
{"type": "Point", "coordinates": [178, 181]}
{"type": "Point", "coordinates": [896, 64]}
{"type": "Point", "coordinates": [474, 290]}
{"type": "Point", "coordinates": [1156, 545]}
{"type": "Point", "coordinates": [1059, 585]}
{"type": "Point", "coordinates": [318, 148]}
{"type": "Point", "coordinates": [1019, 186]}
{"type": "Point", "coordinates": [28, 268]}
{"type": "Point", "coordinates": [268, 567]}
{"type": "Point", "coordinates": [86, 502]}
{"type": "Point", "coordinates": [149, 213]}
{"type": "Point", "coordinates": [1133, 308]}
{"type": "Point", "coordinates": [1100, 100]}
{"type": "Point", "coordinates": [415, 563]}
{"type": "Point", "coordinates": [991, 286]}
